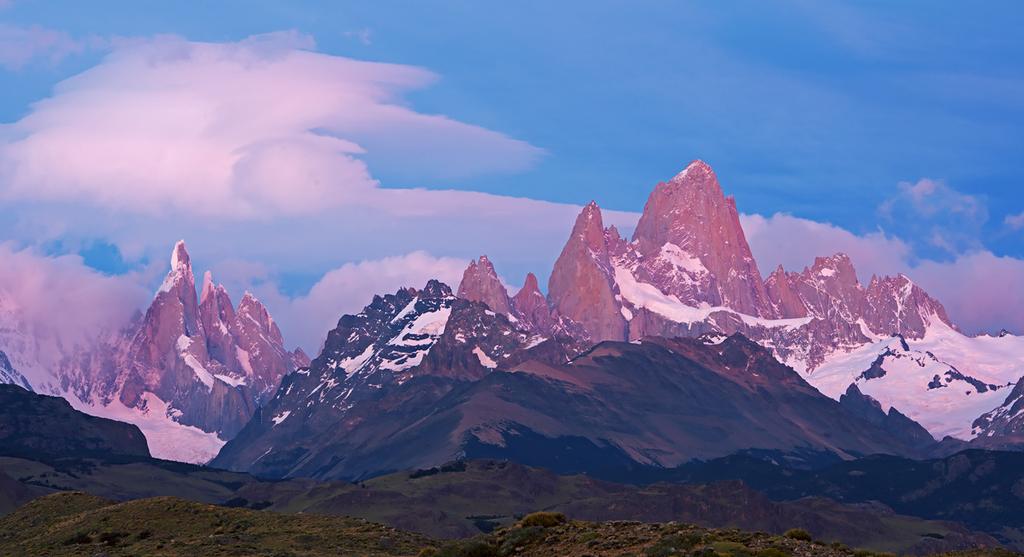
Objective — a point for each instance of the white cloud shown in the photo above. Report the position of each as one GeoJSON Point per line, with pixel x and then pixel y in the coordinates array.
{"type": "Point", "coordinates": [258, 128]}
{"type": "Point", "coordinates": [363, 35]}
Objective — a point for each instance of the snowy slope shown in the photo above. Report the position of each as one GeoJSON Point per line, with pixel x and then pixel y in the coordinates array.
{"type": "Point", "coordinates": [944, 381]}
{"type": "Point", "coordinates": [11, 376]}
{"type": "Point", "coordinates": [167, 438]}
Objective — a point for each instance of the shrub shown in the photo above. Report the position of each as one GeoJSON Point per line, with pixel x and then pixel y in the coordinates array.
{"type": "Point", "coordinates": [798, 534]}
{"type": "Point", "coordinates": [78, 538]}
{"type": "Point", "coordinates": [543, 519]}
{"type": "Point", "coordinates": [111, 538]}
{"type": "Point", "coordinates": [772, 552]}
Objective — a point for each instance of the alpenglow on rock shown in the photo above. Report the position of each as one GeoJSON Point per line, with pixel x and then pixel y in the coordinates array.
{"type": "Point", "coordinates": [191, 371]}
{"type": "Point", "coordinates": [688, 270]}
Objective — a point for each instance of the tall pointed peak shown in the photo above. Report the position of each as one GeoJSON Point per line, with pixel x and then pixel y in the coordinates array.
{"type": "Point", "coordinates": [696, 168]}
{"type": "Point", "coordinates": [180, 272]}
{"type": "Point", "coordinates": [530, 284]}
{"type": "Point", "coordinates": [589, 213]}
{"type": "Point", "coordinates": [530, 289]}
{"type": "Point", "coordinates": [180, 257]}
{"type": "Point", "coordinates": [249, 298]}
{"type": "Point", "coordinates": [207, 286]}
{"type": "Point", "coordinates": [590, 227]}
{"type": "Point", "coordinates": [691, 212]}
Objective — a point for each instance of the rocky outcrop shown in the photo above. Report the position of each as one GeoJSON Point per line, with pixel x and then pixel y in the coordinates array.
{"type": "Point", "coordinates": [895, 305]}
{"type": "Point", "coordinates": [426, 337]}
{"type": "Point", "coordinates": [1003, 427]}
{"type": "Point", "coordinates": [659, 402]}
{"type": "Point", "coordinates": [689, 271]}
{"type": "Point", "coordinates": [893, 422]}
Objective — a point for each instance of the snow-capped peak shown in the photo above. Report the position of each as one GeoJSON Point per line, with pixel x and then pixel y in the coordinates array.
{"type": "Point", "coordinates": [695, 166]}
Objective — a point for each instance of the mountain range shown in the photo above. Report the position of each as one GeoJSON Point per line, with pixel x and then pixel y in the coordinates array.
{"type": "Point", "coordinates": [656, 349]}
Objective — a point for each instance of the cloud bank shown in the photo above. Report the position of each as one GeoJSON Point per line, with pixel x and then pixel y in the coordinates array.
{"type": "Point", "coordinates": [257, 128]}
{"type": "Point", "coordinates": [61, 298]}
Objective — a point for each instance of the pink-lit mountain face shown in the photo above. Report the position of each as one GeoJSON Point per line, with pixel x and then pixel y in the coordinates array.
{"type": "Point", "coordinates": [190, 372]}
{"type": "Point", "coordinates": [688, 270]}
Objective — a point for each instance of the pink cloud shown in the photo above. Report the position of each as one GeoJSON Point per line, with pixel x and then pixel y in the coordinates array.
{"type": "Point", "coordinates": [261, 127]}
{"type": "Point", "coordinates": [982, 291]}
{"type": "Point", "coordinates": [61, 298]}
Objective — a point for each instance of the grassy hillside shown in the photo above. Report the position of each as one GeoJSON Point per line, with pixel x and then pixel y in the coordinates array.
{"type": "Point", "coordinates": [463, 499]}
{"type": "Point", "coordinates": [77, 524]}
{"type": "Point", "coordinates": [72, 523]}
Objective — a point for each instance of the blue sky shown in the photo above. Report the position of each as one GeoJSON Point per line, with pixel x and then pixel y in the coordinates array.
{"type": "Point", "coordinates": [902, 119]}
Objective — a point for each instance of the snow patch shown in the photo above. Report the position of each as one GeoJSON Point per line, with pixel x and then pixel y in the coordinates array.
{"type": "Point", "coordinates": [281, 417]}
{"type": "Point", "coordinates": [167, 439]}
{"type": "Point", "coordinates": [648, 296]}
{"type": "Point", "coordinates": [485, 360]}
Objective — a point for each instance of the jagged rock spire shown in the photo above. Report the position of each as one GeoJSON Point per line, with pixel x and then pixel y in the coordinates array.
{"type": "Point", "coordinates": [531, 307]}
{"type": "Point", "coordinates": [480, 283]}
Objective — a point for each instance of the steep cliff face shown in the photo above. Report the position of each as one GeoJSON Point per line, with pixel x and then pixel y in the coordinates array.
{"type": "Point", "coordinates": [582, 287]}
{"type": "Point", "coordinates": [689, 244]}
{"type": "Point", "coordinates": [689, 270]}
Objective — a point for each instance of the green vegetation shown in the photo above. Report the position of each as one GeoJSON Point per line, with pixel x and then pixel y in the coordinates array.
{"type": "Point", "coordinates": [76, 524]}
{"type": "Point", "coordinates": [543, 519]}
{"type": "Point", "coordinates": [798, 534]}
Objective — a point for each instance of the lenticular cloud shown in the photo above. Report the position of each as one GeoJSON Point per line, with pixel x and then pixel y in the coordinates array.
{"type": "Point", "coordinates": [260, 127]}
